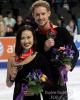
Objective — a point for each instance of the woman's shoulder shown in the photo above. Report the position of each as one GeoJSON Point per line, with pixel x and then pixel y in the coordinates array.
{"type": "Point", "coordinates": [11, 59]}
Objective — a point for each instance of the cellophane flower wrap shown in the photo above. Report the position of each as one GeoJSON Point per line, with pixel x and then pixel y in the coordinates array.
{"type": "Point", "coordinates": [63, 56]}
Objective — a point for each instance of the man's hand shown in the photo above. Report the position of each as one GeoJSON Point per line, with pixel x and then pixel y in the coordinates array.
{"type": "Point", "coordinates": [49, 43]}
{"type": "Point", "coordinates": [68, 67]}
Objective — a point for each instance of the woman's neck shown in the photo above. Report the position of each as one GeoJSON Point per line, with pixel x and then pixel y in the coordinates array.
{"type": "Point", "coordinates": [24, 55]}
{"type": "Point", "coordinates": [25, 51]}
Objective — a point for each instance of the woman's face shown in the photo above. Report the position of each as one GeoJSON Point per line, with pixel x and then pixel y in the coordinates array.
{"type": "Point", "coordinates": [71, 24]}
{"type": "Point", "coordinates": [19, 19]}
{"type": "Point", "coordinates": [27, 39]}
{"type": "Point", "coordinates": [2, 27]}
{"type": "Point", "coordinates": [41, 15]}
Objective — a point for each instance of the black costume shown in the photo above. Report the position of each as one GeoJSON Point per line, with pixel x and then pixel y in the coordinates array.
{"type": "Point", "coordinates": [62, 37]}
{"type": "Point", "coordinates": [38, 62]}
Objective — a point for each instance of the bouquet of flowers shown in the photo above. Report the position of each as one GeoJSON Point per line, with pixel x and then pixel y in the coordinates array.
{"type": "Point", "coordinates": [34, 83]}
{"type": "Point", "coordinates": [63, 56]}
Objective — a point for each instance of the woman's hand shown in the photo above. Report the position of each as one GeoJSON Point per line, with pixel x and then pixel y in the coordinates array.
{"type": "Point", "coordinates": [49, 43]}
{"type": "Point", "coordinates": [13, 72]}
{"type": "Point", "coordinates": [28, 93]}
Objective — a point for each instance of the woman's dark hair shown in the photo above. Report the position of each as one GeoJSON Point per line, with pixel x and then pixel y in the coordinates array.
{"type": "Point", "coordinates": [18, 47]}
{"type": "Point", "coordinates": [9, 12]}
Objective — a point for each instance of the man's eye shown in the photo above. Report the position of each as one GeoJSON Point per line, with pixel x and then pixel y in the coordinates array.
{"type": "Point", "coordinates": [43, 13]}
{"type": "Point", "coordinates": [22, 38]}
{"type": "Point", "coordinates": [28, 37]}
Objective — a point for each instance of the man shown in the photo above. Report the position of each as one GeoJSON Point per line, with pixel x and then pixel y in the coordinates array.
{"type": "Point", "coordinates": [52, 37]}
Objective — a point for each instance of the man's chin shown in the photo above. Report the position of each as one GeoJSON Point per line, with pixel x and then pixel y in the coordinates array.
{"type": "Point", "coordinates": [41, 25]}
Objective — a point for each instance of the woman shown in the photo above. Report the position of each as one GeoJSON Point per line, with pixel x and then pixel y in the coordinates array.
{"type": "Point", "coordinates": [72, 28]}
{"type": "Point", "coordinates": [25, 61]}
{"type": "Point", "coordinates": [2, 29]}
{"type": "Point", "coordinates": [18, 24]}
{"type": "Point", "coordinates": [51, 37]}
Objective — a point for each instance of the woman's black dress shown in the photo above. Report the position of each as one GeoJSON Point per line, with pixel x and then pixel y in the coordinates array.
{"type": "Point", "coordinates": [38, 62]}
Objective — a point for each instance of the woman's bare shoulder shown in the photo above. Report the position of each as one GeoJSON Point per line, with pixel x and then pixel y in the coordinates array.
{"type": "Point", "coordinates": [11, 59]}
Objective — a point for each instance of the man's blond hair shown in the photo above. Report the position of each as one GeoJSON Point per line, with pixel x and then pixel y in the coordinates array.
{"type": "Point", "coordinates": [40, 3]}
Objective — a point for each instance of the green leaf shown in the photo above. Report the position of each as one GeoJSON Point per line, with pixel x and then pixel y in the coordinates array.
{"type": "Point", "coordinates": [32, 83]}
{"type": "Point", "coordinates": [36, 89]}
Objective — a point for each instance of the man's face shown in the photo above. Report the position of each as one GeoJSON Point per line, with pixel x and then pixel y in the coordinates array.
{"type": "Point", "coordinates": [41, 15]}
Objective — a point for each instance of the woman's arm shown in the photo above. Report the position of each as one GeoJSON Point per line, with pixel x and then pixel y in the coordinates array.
{"type": "Point", "coordinates": [11, 72]}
